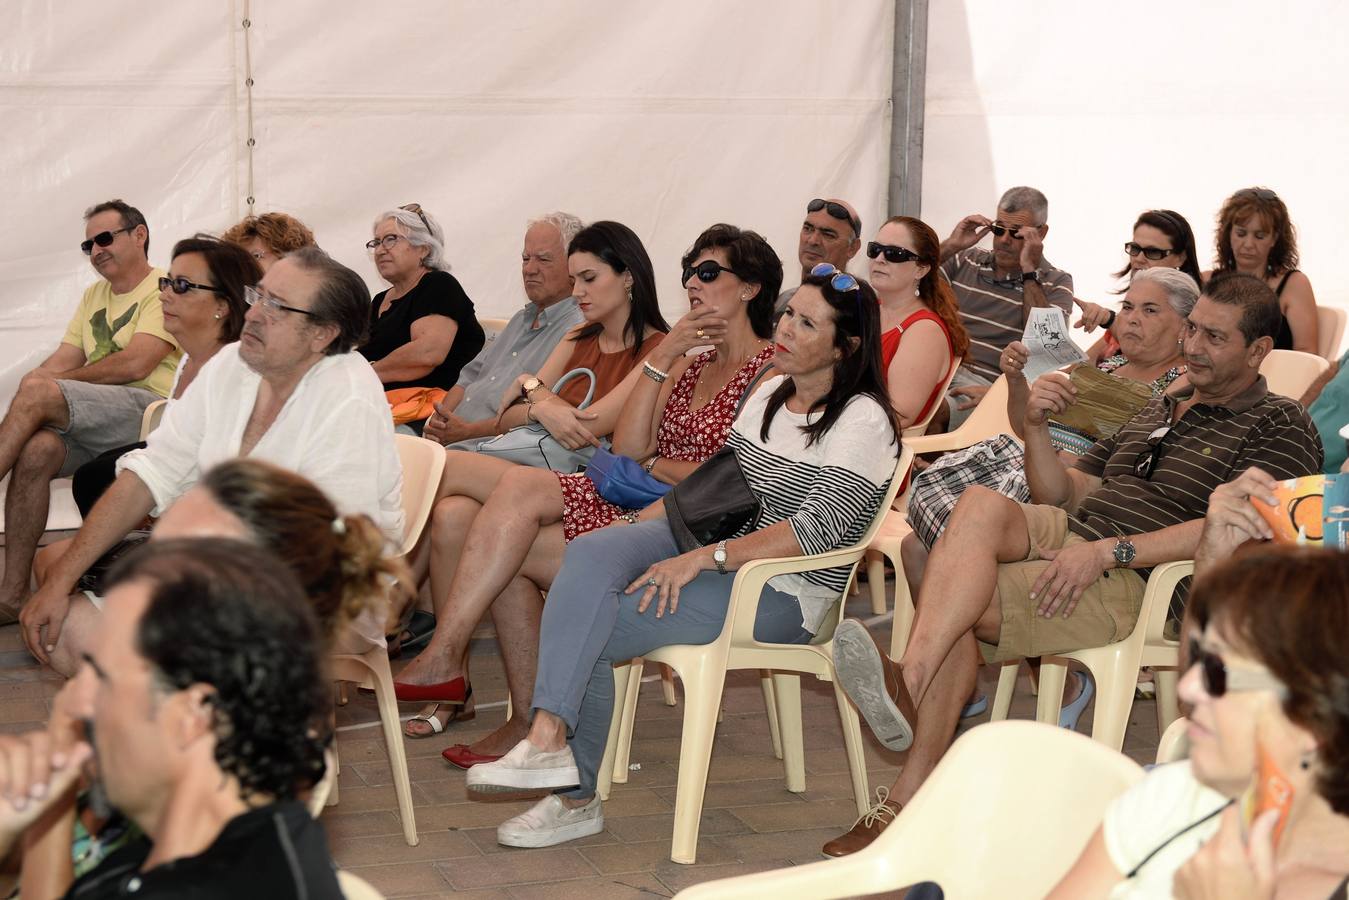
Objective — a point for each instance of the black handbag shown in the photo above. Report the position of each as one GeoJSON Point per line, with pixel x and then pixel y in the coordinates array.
{"type": "Point", "coordinates": [712, 503]}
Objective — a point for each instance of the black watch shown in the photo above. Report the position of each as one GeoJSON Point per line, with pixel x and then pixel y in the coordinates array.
{"type": "Point", "coordinates": [1124, 552]}
{"type": "Point", "coordinates": [1030, 276]}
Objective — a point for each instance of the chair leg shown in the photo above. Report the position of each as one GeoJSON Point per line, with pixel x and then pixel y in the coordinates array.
{"type": "Point", "coordinates": [510, 709]}
{"type": "Point", "coordinates": [852, 744]}
{"type": "Point", "coordinates": [337, 774]}
{"type": "Point", "coordinates": [398, 761]}
{"type": "Point", "coordinates": [608, 772]}
{"type": "Point", "coordinates": [704, 681]}
{"type": "Point", "coordinates": [667, 684]}
{"type": "Point", "coordinates": [1002, 700]}
{"type": "Point", "coordinates": [1115, 684]}
{"type": "Point", "coordinates": [876, 581]}
{"type": "Point", "coordinates": [1049, 701]}
{"type": "Point", "coordinates": [1168, 707]}
{"type": "Point", "coordinates": [342, 698]}
{"type": "Point", "coordinates": [787, 686]}
{"type": "Point", "coordinates": [770, 705]}
{"type": "Point", "coordinates": [628, 699]}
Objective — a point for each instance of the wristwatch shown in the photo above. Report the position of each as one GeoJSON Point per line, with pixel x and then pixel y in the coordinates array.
{"type": "Point", "coordinates": [1124, 552]}
{"type": "Point", "coordinates": [530, 384]}
{"type": "Point", "coordinates": [719, 557]}
{"type": "Point", "coordinates": [1030, 276]}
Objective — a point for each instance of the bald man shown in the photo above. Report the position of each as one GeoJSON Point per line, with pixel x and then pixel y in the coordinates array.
{"type": "Point", "coordinates": [832, 233]}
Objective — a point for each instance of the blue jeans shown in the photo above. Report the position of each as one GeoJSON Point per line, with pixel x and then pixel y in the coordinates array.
{"type": "Point", "coordinates": [589, 624]}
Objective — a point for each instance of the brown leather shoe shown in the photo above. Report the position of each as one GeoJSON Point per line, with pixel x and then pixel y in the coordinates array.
{"type": "Point", "coordinates": [875, 684]}
{"type": "Point", "coordinates": [866, 829]}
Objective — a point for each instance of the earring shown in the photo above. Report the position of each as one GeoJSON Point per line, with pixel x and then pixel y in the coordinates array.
{"type": "Point", "coordinates": [744, 297]}
{"type": "Point", "coordinates": [217, 317]}
{"type": "Point", "coordinates": [628, 288]}
{"type": "Point", "coordinates": [1306, 762]}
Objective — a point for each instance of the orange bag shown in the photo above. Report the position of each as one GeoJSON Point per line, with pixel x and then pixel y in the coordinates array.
{"type": "Point", "coordinates": [413, 404]}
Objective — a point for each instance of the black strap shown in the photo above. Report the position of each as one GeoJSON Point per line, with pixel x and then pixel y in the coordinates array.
{"type": "Point", "coordinates": [1341, 892]}
{"type": "Point", "coordinates": [1163, 845]}
{"type": "Point", "coordinates": [749, 388]}
{"type": "Point", "coordinates": [1278, 291]}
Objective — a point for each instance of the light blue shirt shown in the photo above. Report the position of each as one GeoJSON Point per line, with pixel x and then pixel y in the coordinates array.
{"type": "Point", "coordinates": [518, 348]}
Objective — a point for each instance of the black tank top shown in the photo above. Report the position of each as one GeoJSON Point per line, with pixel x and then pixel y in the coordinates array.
{"type": "Point", "coordinates": [1284, 340]}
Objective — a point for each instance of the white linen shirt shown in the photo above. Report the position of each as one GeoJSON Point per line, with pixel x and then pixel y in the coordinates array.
{"type": "Point", "coordinates": [335, 429]}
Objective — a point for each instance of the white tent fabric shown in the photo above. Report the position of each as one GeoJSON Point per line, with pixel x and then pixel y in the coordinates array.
{"type": "Point", "coordinates": [667, 117]}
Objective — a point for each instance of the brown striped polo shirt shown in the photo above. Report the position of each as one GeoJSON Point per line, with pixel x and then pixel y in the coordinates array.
{"type": "Point", "coordinates": [1210, 445]}
{"type": "Point", "coordinates": [991, 309]}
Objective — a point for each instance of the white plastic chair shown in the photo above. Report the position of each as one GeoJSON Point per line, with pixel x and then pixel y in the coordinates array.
{"type": "Point", "coordinates": [150, 418]}
{"type": "Point", "coordinates": [1174, 743]}
{"type": "Point", "coordinates": [989, 419]}
{"type": "Point", "coordinates": [918, 428]}
{"type": "Point", "coordinates": [422, 463]}
{"type": "Point", "coordinates": [1290, 372]}
{"type": "Point", "coordinates": [1115, 667]}
{"type": "Point", "coordinates": [1330, 331]}
{"type": "Point", "coordinates": [493, 327]}
{"type": "Point", "coordinates": [1005, 814]}
{"type": "Point", "coordinates": [356, 888]}
{"type": "Point", "coordinates": [703, 670]}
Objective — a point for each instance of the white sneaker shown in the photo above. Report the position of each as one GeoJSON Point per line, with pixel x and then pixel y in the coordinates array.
{"type": "Point", "coordinates": [550, 822]}
{"type": "Point", "coordinates": [525, 768]}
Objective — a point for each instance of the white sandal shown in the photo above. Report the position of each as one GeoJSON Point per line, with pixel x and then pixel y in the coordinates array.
{"type": "Point", "coordinates": [457, 714]}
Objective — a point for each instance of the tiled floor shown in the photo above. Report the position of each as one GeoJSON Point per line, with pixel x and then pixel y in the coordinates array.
{"type": "Point", "coordinates": [750, 822]}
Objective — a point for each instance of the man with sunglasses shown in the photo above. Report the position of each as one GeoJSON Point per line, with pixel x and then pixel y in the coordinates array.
{"type": "Point", "coordinates": [997, 289]}
{"type": "Point", "coordinates": [831, 233]}
{"type": "Point", "coordinates": [89, 395]}
{"type": "Point", "coordinates": [1067, 571]}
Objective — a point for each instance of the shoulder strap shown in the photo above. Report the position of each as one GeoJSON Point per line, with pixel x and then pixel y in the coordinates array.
{"type": "Point", "coordinates": [749, 388]}
{"type": "Point", "coordinates": [1278, 291]}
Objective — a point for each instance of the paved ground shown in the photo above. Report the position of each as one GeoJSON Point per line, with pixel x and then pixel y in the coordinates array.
{"type": "Point", "coordinates": [750, 822]}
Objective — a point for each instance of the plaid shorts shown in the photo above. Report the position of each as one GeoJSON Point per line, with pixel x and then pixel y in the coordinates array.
{"type": "Point", "coordinates": [997, 463]}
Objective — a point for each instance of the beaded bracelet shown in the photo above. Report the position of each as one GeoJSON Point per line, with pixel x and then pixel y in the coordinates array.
{"type": "Point", "coordinates": [654, 374]}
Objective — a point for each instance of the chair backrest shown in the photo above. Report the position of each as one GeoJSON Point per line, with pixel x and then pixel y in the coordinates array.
{"type": "Point", "coordinates": [1330, 330]}
{"type": "Point", "coordinates": [492, 327]}
{"type": "Point", "coordinates": [422, 462]}
{"type": "Point", "coordinates": [1290, 372]}
{"type": "Point", "coordinates": [1174, 744]}
{"type": "Point", "coordinates": [989, 419]}
{"type": "Point", "coordinates": [150, 418]}
{"type": "Point", "coordinates": [920, 426]}
{"type": "Point", "coordinates": [356, 888]}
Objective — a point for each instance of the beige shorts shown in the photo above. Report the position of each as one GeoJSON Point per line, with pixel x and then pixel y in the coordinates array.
{"type": "Point", "coordinates": [1106, 612]}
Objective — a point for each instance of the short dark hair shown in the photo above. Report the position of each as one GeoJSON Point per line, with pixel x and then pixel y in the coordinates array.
{"type": "Point", "coordinates": [1260, 316]}
{"type": "Point", "coordinates": [131, 217]}
{"type": "Point", "coordinates": [754, 262]}
{"type": "Point", "coordinates": [230, 615]}
{"type": "Point", "coordinates": [619, 247]}
{"type": "Point", "coordinates": [342, 300]}
{"type": "Point", "coordinates": [1177, 229]}
{"type": "Point", "coordinates": [232, 270]}
{"type": "Point", "coordinates": [1288, 607]}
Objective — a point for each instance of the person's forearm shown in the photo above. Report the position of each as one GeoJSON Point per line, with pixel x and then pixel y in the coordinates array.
{"type": "Point", "coordinates": [635, 432]}
{"type": "Point", "coordinates": [1048, 480]}
{"type": "Point", "coordinates": [1032, 296]}
{"type": "Point", "coordinates": [122, 367]}
{"type": "Point", "coordinates": [453, 398]}
{"type": "Point", "coordinates": [672, 471]}
{"type": "Point", "coordinates": [1175, 542]}
{"type": "Point", "coordinates": [408, 363]}
{"type": "Point", "coordinates": [1018, 393]}
{"type": "Point", "coordinates": [48, 870]}
{"type": "Point", "coordinates": [121, 508]}
{"type": "Point", "coordinates": [775, 541]}
{"type": "Point", "coordinates": [947, 250]}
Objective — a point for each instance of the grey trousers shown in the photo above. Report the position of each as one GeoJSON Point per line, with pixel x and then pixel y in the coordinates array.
{"type": "Point", "coordinates": [589, 624]}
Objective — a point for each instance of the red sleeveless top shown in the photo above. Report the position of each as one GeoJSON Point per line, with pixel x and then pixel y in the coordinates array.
{"type": "Point", "coordinates": [890, 346]}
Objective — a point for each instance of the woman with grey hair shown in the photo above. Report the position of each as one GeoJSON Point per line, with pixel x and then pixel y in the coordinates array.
{"type": "Point", "coordinates": [422, 329]}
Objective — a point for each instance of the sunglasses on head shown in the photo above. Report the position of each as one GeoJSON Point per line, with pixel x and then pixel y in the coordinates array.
{"type": "Point", "coordinates": [707, 271]}
{"type": "Point", "coordinates": [103, 239]}
{"type": "Point", "coordinates": [839, 281]}
{"type": "Point", "coordinates": [837, 210]}
{"type": "Point", "coordinates": [892, 253]}
{"type": "Point", "coordinates": [181, 285]}
{"type": "Point", "coordinates": [1264, 194]}
{"type": "Point", "coordinates": [1000, 229]}
{"type": "Point", "coordinates": [1218, 679]}
{"type": "Point", "coordinates": [1153, 253]}
{"type": "Point", "coordinates": [417, 208]}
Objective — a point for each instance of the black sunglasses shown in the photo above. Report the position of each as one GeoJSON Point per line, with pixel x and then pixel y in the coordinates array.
{"type": "Point", "coordinates": [1000, 229]}
{"type": "Point", "coordinates": [1153, 253]}
{"type": "Point", "coordinates": [1146, 461]}
{"type": "Point", "coordinates": [892, 253]}
{"type": "Point", "coordinates": [181, 285]}
{"type": "Point", "coordinates": [837, 210]}
{"type": "Point", "coordinates": [1264, 194]}
{"type": "Point", "coordinates": [103, 239]}
{"type": "Point", "coordinates": [707, 271]}
{"type": "Point", "coordinates": [1218, 679]}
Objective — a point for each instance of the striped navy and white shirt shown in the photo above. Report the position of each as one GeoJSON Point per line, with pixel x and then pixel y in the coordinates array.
{"type": "Point", "coordinates": [829, 492]}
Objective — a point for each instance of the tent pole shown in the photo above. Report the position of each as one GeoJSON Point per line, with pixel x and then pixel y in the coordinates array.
{"type": "Point", "coordinates": [906, 99]}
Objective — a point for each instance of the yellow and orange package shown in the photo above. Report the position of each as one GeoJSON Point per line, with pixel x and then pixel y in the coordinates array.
{"type": "Point", "coordinates": [1270, 789]}
{"type": "Point", "coordinates": [1297, 517]}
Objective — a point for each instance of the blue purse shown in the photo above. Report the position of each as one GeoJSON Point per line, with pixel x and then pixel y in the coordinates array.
{"type": "Point", "coordinates": [622, 481]}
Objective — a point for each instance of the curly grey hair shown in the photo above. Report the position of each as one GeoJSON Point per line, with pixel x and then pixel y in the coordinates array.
{"type": "Point", "coordinates": [427, 234]}
{"type": "Point", "coordinates": [1181, 291]}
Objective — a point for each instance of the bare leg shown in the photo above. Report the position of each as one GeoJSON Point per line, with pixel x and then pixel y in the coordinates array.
{"type": "Point", "coordinates": [38, 403]}
{"type": "Point", "coordinates": [26, 506]}
{"type": "Point", "coordinates": [914, 556]}
{"type": "Point", "coordinates": [490, 556]}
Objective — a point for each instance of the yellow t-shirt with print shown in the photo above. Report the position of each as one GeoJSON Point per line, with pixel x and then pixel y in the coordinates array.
{"type": "Point", "coordinates": [105, 322]}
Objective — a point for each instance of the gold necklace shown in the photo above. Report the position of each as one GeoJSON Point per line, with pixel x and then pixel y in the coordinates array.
{"type": "Point", "coordinates": [700, 397]}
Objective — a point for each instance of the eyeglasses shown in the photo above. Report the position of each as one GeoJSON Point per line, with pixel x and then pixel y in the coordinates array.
{"type": "Point", "coordinates": [892, 253]}
{"type": "Point", "coordinates": [1153, 253]}
{"type": "Point", "coordinates": [1000, 229]}
{"type": "Point", "coordinates": [103, 239]}
{"type": "Point", "coordinates": [1146, 461]}
{"type": "Point", "coordinates": [707, 271]}
{"type": "Point", "coordinates": [417, 208]}
{"type": "Point", "coordinates": [1218, 679]}
{"type": "Point", "coordinates": [270, 305]}
{"type": "Point", "coordinates": [1264, 194]}
{"type": "Point", "coordinates": [386, 242]}
{"type": "Point", "coordinates": [837, 210]}
{"type": "Point", "coordinates": [181, 285]}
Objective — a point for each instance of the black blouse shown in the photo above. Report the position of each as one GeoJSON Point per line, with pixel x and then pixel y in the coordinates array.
{"type": "Point", "coordinates": [437, 294]}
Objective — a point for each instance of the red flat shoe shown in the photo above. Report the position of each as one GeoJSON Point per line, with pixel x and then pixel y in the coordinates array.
{"type": "Point", "coordinates": [454, 692]}
{"type": "Point", "coordinates": [460, 755]}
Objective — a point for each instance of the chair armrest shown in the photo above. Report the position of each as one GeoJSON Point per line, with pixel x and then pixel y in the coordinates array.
{"type": "Point", "coordinates": [1157, 596]}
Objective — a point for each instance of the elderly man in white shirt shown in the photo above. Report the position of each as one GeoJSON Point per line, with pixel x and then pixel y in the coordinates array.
{"type": "Point", "coordinates": [291, 392]}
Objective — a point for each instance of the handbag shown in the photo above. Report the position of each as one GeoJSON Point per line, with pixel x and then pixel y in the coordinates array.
{"type": "Point", "coordinates": [532, 445]}
{"type": "Point", "coordinates": [623, 482]}
{"type": "Point", "coordinates": [712, 503]}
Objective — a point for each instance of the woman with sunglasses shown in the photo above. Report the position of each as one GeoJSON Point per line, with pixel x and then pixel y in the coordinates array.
{"type": "Point", "coordinates": [921, 333]}
{"type": "Point", "coordinates": [1268, 665]}
{"type": "Point", "coordinates": [502, 553]}
{"type": "Point", "coordinates": [422, 328]}
{"type": "Point", "coordinates": [817, 446]}
{"type": "Point", "coordinates": [1256, 236]}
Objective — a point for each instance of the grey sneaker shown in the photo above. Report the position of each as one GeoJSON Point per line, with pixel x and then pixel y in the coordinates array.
{"type": "Point", "coordinates": [550, 822]}
{"type": "Point", "coordinates": [525, 768]}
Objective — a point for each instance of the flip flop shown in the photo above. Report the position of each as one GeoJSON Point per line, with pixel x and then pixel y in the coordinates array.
{"type": "Point", "coordinates": [1069, 715]}
{"type": "Point", "coordinates": [975, 707]}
